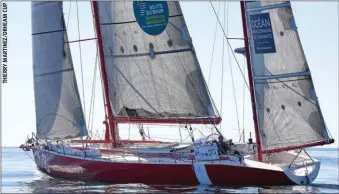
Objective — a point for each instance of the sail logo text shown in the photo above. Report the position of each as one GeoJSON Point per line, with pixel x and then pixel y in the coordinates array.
{"type": "Point", "coordinates": [4, 43]}
{"type": "Point", "coordinates": [152, 16]}
{"type": "Point", "coordinates": [261, 23]}
{"type": "Point", "coordinates": [155, 9]}
{"type": "Point", "coordinates": [262, 33]}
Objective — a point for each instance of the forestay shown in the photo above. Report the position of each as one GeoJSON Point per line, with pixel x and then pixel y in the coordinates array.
{"type": "Point", "coordinates": [288, 111]}
{"type": "Point", "coordinates": [59, 113]}
{"type": "Point", "coordinates": [153, 71]}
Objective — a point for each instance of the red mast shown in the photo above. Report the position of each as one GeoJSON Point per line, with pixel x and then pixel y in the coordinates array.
{"type": "Point", "coordinates": [103, 72]}
{"type": "Point", "coordinates": [250, 79]}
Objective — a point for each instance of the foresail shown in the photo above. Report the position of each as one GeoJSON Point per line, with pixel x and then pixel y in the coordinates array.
{"type": "Point", "coordinates": [288, 111]}
{"type": "Point", "coordinates": [59, 113]}
{"type": "Point", "coordinates": [153, 71]}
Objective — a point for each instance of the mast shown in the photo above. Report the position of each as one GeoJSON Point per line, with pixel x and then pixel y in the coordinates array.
{"type": "Point", "coordinates": [109, 117]}
{"type": "Point", "coordinates": [250, 80]}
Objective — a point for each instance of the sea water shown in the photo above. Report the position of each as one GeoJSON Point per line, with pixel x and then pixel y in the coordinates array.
{"type": "Point", "coordinates": [19, 174]}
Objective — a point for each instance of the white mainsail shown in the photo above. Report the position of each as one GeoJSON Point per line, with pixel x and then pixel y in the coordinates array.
{"type": "Point", "coordinates": [288, 111]}
{"type": "Point", "coordinates": [152, 68]}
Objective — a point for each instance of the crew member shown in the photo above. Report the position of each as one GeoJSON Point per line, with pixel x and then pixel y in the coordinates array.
{"type": "Point", "coordinates": [106, 130]}
{"type": "Point", "coordinates": [222, 146]}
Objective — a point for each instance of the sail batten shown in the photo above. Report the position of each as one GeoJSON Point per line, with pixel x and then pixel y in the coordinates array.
{"type": "Point", "coordinates": [155, 53]}
{"type": "Point", "coordinates": [54, 72]}
{"type": "Point", "coordinates": [58, 108]}
{"type": "Point", "coordinates": [278, 76]}
{"type": "Point", "coordinates": [267, 7]}
{"type": "Point", "coordinates": [289, 115]}
{"type": "Point", "coordinates": [47, 32]}
{"type": "Point", "coordinates": [153, 72]}
{"type": "Point", "coordinates": [134, 21]}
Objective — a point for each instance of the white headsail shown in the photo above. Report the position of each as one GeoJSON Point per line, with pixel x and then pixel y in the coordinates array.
{"type": "Point", "coordinates": [59, 113]}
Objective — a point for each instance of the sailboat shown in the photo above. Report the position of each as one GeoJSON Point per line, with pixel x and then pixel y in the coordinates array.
{"type": "Point", "coordinates": [150, 74]}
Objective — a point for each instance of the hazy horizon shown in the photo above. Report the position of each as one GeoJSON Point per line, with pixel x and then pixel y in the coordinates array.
{"type": "Point", "coordinates": [318, 32]}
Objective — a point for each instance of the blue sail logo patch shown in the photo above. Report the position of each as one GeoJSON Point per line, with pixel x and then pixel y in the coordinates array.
{"type": "Point", "coordinates": [152, 16]}
{"type": "Point", "coordinates": [262, 33]}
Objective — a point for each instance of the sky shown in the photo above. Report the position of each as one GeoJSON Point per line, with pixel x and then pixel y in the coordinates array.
{"type": "Point", "coordinates": [317, 24]}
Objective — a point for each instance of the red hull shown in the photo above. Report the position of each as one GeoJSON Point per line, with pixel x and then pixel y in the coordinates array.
{"type": "Point", "coordinates": [61, 166]}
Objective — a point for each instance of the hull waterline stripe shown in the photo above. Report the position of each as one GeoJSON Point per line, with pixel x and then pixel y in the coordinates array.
{"type": "Point", "coordinates": [128, 22]}
{"type": "Point", "coordinates": [47, 32]}
{"type": "Point", "coordinates": [54, 72]}
{"type": "Point", "coordinates": [287, 4]}
{"type": "Point", "coordinates": [288, 75]}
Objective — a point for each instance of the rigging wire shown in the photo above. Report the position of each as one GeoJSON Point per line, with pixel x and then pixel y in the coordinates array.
{"type": "Point", "coordinates": [69, 13]}
{"type": "Point", "coordinates": [101, 79]}
{"type": "Point", "coordinates": [231, 70]}
{"type": "Point", "coordinates": [243, 104]}
{"type": "Point", "coordinates": [93, 92]}
{"type": "Point", "coordinates": [283, 82]}
{"type": "Point", "coordinates": [82, 77]}
{"type": "Point", "coordinates": [222, 66]}
{"type": "Point", "coordinates": [229, 44]}
{"type": "Point", "coordinates": [91, 114]}
{"type": "Point", "coordinates": [180, 134]}
{"type": "Point", "coordinates": [94, 86]}
{"type": "Point", "coordinates": [93, 108]}
{"type": "Point", "coordinates": [29, 156]}
{"type": "Point", "coordinates": [225, 35]}
{"type": "Point", "coordinates": [215, 35]}
{"type": "Point", "coordinates": [330, 135]}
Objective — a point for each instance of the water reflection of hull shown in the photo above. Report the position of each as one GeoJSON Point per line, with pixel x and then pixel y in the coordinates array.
{"type": "Point", "coordinates": [166, 173]}
{"type": "Point", "coordinates": [50, 185]}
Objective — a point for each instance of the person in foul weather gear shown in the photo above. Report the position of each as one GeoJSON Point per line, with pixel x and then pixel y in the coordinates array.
{"type": "Point", "coordinates": [222, 146]}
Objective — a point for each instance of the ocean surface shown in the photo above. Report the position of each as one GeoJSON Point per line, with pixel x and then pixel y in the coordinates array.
{"type": "Point", "coordinates": [19, 175]}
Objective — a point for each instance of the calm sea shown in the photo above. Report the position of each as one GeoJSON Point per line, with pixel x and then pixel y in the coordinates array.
{"type": "Point", "coordinates": [19, 174]}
